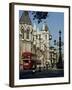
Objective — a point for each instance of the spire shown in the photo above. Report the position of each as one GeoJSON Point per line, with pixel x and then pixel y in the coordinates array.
{"type": "Point", "coordinates": [25, 19]}
{"type": "Point", "coordinates": [34, 26]}
{"type": "Point", "coordinates": [46, 28]}
{"type": "Point", "coordinates": [43, 26]}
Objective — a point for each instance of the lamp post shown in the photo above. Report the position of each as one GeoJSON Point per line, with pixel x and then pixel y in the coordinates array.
{"type": "Point", "coordinates": [59, 64]}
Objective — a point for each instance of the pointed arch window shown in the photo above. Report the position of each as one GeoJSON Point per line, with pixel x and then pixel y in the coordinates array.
{"type": "Point", "coordinates": [22, 31]}
{"type": "Point", "coordinates": [46, 36]}
{"type": "Point", "coordinates": [27, 36]}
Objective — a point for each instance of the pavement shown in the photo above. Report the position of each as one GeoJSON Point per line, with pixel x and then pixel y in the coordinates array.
{"type": "Point", "coordinates": [29, 74]}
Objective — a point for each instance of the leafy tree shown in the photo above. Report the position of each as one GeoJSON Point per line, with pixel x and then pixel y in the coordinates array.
{"type": "Point", "coordinates": [39, 16]}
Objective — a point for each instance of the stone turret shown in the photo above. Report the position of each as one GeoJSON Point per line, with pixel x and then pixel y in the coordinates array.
{"type": "Point", "coordinates": [25, 19]}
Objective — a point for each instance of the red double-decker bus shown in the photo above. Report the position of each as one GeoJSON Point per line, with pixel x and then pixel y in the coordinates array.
{"type": "Point", "coordinates": [28, 61]}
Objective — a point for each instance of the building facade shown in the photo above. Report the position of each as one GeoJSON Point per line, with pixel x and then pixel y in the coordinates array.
{"type": "Point", "coordinates": [34, 42]}
{"type": "Point", "coordinates": [53, 56]}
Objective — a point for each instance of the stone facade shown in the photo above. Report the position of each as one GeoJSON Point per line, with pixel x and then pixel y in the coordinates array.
{"type": "Point", "coordinates": [33, 40]}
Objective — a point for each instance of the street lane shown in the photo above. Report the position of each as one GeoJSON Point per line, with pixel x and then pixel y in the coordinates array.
{"type": "Point", "coordinates": [41, 74]}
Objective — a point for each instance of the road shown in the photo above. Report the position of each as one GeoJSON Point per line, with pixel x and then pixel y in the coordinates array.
{"type": "Point", "coordinates": [41, 74]}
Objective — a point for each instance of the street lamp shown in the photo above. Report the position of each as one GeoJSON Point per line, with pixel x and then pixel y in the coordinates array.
{"type": "Point", "coordinates": [59, 64]}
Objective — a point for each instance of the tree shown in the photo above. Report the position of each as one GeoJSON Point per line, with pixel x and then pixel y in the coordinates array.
{"type": "Point", "coordinates": [39, 16]}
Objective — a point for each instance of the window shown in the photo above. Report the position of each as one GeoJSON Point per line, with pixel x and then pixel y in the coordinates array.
{"type": "Point", "coordinates": [27, 36]}
{"type": "Point", "coordinates": [22, 31]}
{"type": "Point", "coordinates": [45, 36]}
{"type": "Point", "coordinates": [31, 36]}
{"type": "Point", "coordinates": [39, 37]}
{"type": "Point", "coordinates": [26, 61]}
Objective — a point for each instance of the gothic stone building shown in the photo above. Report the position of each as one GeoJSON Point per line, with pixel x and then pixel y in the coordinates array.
{"type": "Point", "coordinates": [33, 41]}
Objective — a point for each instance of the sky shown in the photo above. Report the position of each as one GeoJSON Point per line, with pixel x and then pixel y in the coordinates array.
{"type": "Point", "coordinates": [54, 21]}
